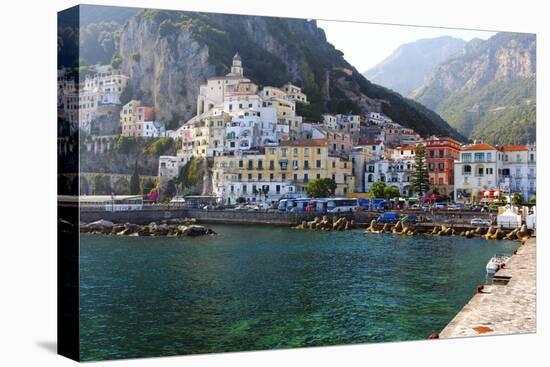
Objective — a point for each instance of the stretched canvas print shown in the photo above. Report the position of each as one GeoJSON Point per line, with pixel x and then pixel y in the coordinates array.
{"type": "Point", "coordinates": [234, 183]}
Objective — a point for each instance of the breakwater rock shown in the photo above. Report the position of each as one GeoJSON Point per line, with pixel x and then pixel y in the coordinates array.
{"type": "Point", "coordinates": [399, 228]}
{"type": "Point", "coordinates": [490, 233]}
{"type": "Point", "coordinates": [326, 224]}
{"type": "Point", "coordinates": [173, 228]}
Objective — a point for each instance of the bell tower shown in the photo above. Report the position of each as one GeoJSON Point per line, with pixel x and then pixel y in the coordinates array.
{"type": "Point", "coordinates": [237, 66]}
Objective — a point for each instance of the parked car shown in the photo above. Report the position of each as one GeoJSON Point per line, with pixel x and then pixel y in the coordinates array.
{"type": "Point", "coordinates": [177, 200]}
{"type": "Point", "coordinates": [480, 222]}
{"type": "Point", "coordinates": [409, 219]}
{"type": "Point", "coordinates": [440, 205]}
{"type": "Point", "coordinates": [388, 217]}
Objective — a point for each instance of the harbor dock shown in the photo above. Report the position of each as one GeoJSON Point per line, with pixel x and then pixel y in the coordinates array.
{"type": "Point", "coordinates": [508, 306]}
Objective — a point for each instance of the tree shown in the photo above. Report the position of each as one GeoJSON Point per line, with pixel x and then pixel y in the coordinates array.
{"type": "Point", "coordinates": [533, 200]}
{"type": "Point", "coordinates": [148, 186]}
{"type": "Point", "coordinates": [420, 182]}
{"type": "Point", "coordinates": [377, 189]}
{"type": "Point", "coordinates": [391, 192]}
{"type": "Point", "coordinates": [170, 190]}
{"type": "Point", "coordinates": [241, 200]}
{"type": "Point", "coordinates": [321, 188]}
{"type": "Point", "coordinates": [135, 186]}
{"type": "Point", "coordinates": [517, 199]}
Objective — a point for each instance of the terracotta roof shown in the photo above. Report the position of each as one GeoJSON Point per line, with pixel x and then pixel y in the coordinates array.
{"type": "Point", "coordinates": [304, 143]}
{"type": "Point", "coordinates": [512, 148]}
{"type": "Point", "coordinates": [406, 147]}
{"type": "Point", "coordinates": [481, 146]}
{"type": "Point", "coordinates": [368, 142]}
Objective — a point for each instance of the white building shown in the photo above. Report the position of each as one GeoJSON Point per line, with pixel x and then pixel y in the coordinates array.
{"type": "Point", "coordinates": [243, 132]}
{"type": "Point", "coordinates": [477, 171]}
{"type": "Point", "coordinates": [518, 173]}
{"type": "Point", "coordinates": [394, 172]}
{"type": "Point", "coordinates": [169, 166]}
{"type": "Point", "coordinates": [346, 123]}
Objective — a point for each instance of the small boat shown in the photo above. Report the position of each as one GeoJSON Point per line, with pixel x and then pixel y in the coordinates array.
{"type": "Point", "coordinates": [496, 263]}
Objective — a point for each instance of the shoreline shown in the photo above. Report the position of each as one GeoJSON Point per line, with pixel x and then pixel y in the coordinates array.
{"type": "Point", "coordinates": [508, 306]}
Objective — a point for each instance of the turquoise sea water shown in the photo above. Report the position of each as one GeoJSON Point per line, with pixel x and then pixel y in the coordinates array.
{"type": "Point", "coordinates": [262, 287]}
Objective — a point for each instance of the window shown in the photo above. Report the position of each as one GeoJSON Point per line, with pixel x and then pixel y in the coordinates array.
{"type": "Point", "coordinates": [278, 189]}
{"type": "Point", "coordinates": [250, 177]}
{"type": "Point", "coordinates": [318, 176]}
{"type": "Point", "coordinates": [318, 163]}
{"type": "Point", "coordinates": [319, 151]}
{"type": "Point", "coordinates": [479, 157]}
{"type": "Point", "coordinates": [467, 169]}
{"type": "Point", "coordinates": [260, 177]}
{"type": "Point", "coordinates": [260, 164]}
{"type": "Point", "coordinates": [271, 164]}
{"type": "Point", "coordinates": [489, 171]}
{"type": "Point", "coordinates": [466, 157]}
{"type": "Point", "coordinates": [240, 176]}
{"type": "Point", "coordinates": [431, 166]}
{"type": "Point", "coordinates": [250, 164]}
{"type": "Point", "coordinates": [489, 157]}
{"type": "Point", "coordinates": [283, 176]}
{"type": "Point", "coordinates": [440, 153]}
{"type": "Point", "coordinates": [245, 188]}
{"type": "Point", "coordinates": [271, 176]}
{"type": "Point", "coordinates": [441, 166]}
{"type": "Point", "coordinates": [306, 178]}
{"type": "Point", "coordinates": [480, 171]}
{"type": "Point", "coordinates": [306, 164]}
{"type": "Point", "coordinates": [295, 177]}
{"type": "Point", "coordinates": [240, 164]}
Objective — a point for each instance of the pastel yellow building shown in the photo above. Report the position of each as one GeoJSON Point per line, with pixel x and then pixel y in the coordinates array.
{"type": "Point", "coordinates": [292, 163]}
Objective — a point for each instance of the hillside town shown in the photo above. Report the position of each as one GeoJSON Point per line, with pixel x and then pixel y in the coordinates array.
{"type": "Point", "coordinates": [259, 148]}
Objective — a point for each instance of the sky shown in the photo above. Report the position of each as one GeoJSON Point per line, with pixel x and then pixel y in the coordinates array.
{"type": "Point", "coordinates": [366, 44]}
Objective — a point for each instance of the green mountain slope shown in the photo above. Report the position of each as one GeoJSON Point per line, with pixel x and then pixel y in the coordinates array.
{"type": "Point", "coordinates": [489, 90]}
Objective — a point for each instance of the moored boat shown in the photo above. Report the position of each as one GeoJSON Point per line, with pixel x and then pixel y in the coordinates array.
{"type": "Point", "coordinates": [496, 262]}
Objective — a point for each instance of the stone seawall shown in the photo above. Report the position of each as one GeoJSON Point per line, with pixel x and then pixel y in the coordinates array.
{"type": "Point", "coordinates": [211, 216]}
{"type": "Point", "coordinates": [134, 216]}
{"type": "Point", "coordinates": [155, 214]}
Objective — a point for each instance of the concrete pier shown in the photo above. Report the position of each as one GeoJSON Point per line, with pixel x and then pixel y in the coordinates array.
{"type": "Point", "coordinates": [506, 307]}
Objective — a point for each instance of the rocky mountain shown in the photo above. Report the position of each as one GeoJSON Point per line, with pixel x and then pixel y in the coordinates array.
{"type": "Point", "coordinates": [405, 69]}
{"type": "Point", "coordinates": [488, 90]}
{"type": "Point", "coordinates": [168, 54]}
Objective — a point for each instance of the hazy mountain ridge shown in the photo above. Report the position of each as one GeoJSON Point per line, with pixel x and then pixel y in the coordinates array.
{"type": "Point", "coordinates": [405, 69]}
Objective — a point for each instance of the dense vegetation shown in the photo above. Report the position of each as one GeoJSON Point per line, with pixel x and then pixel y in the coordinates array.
{"type": "Point", "coordinates": [501, 112]}
{"type": "Point", "coordinates": [488, 91]}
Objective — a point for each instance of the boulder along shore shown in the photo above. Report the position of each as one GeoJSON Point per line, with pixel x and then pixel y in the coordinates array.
{"type": "Point", "coordinates": [186, 227]}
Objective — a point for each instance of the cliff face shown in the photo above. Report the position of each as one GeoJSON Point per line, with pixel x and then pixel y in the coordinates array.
{"type": "Point", "coordinates": [488, 87]}
{"type": "Point", "coordinates": [405, 69]}
{"type": "Point", "coordinates": [168, 54]}
{"type": "Point", "coordinates": [164, 70]}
